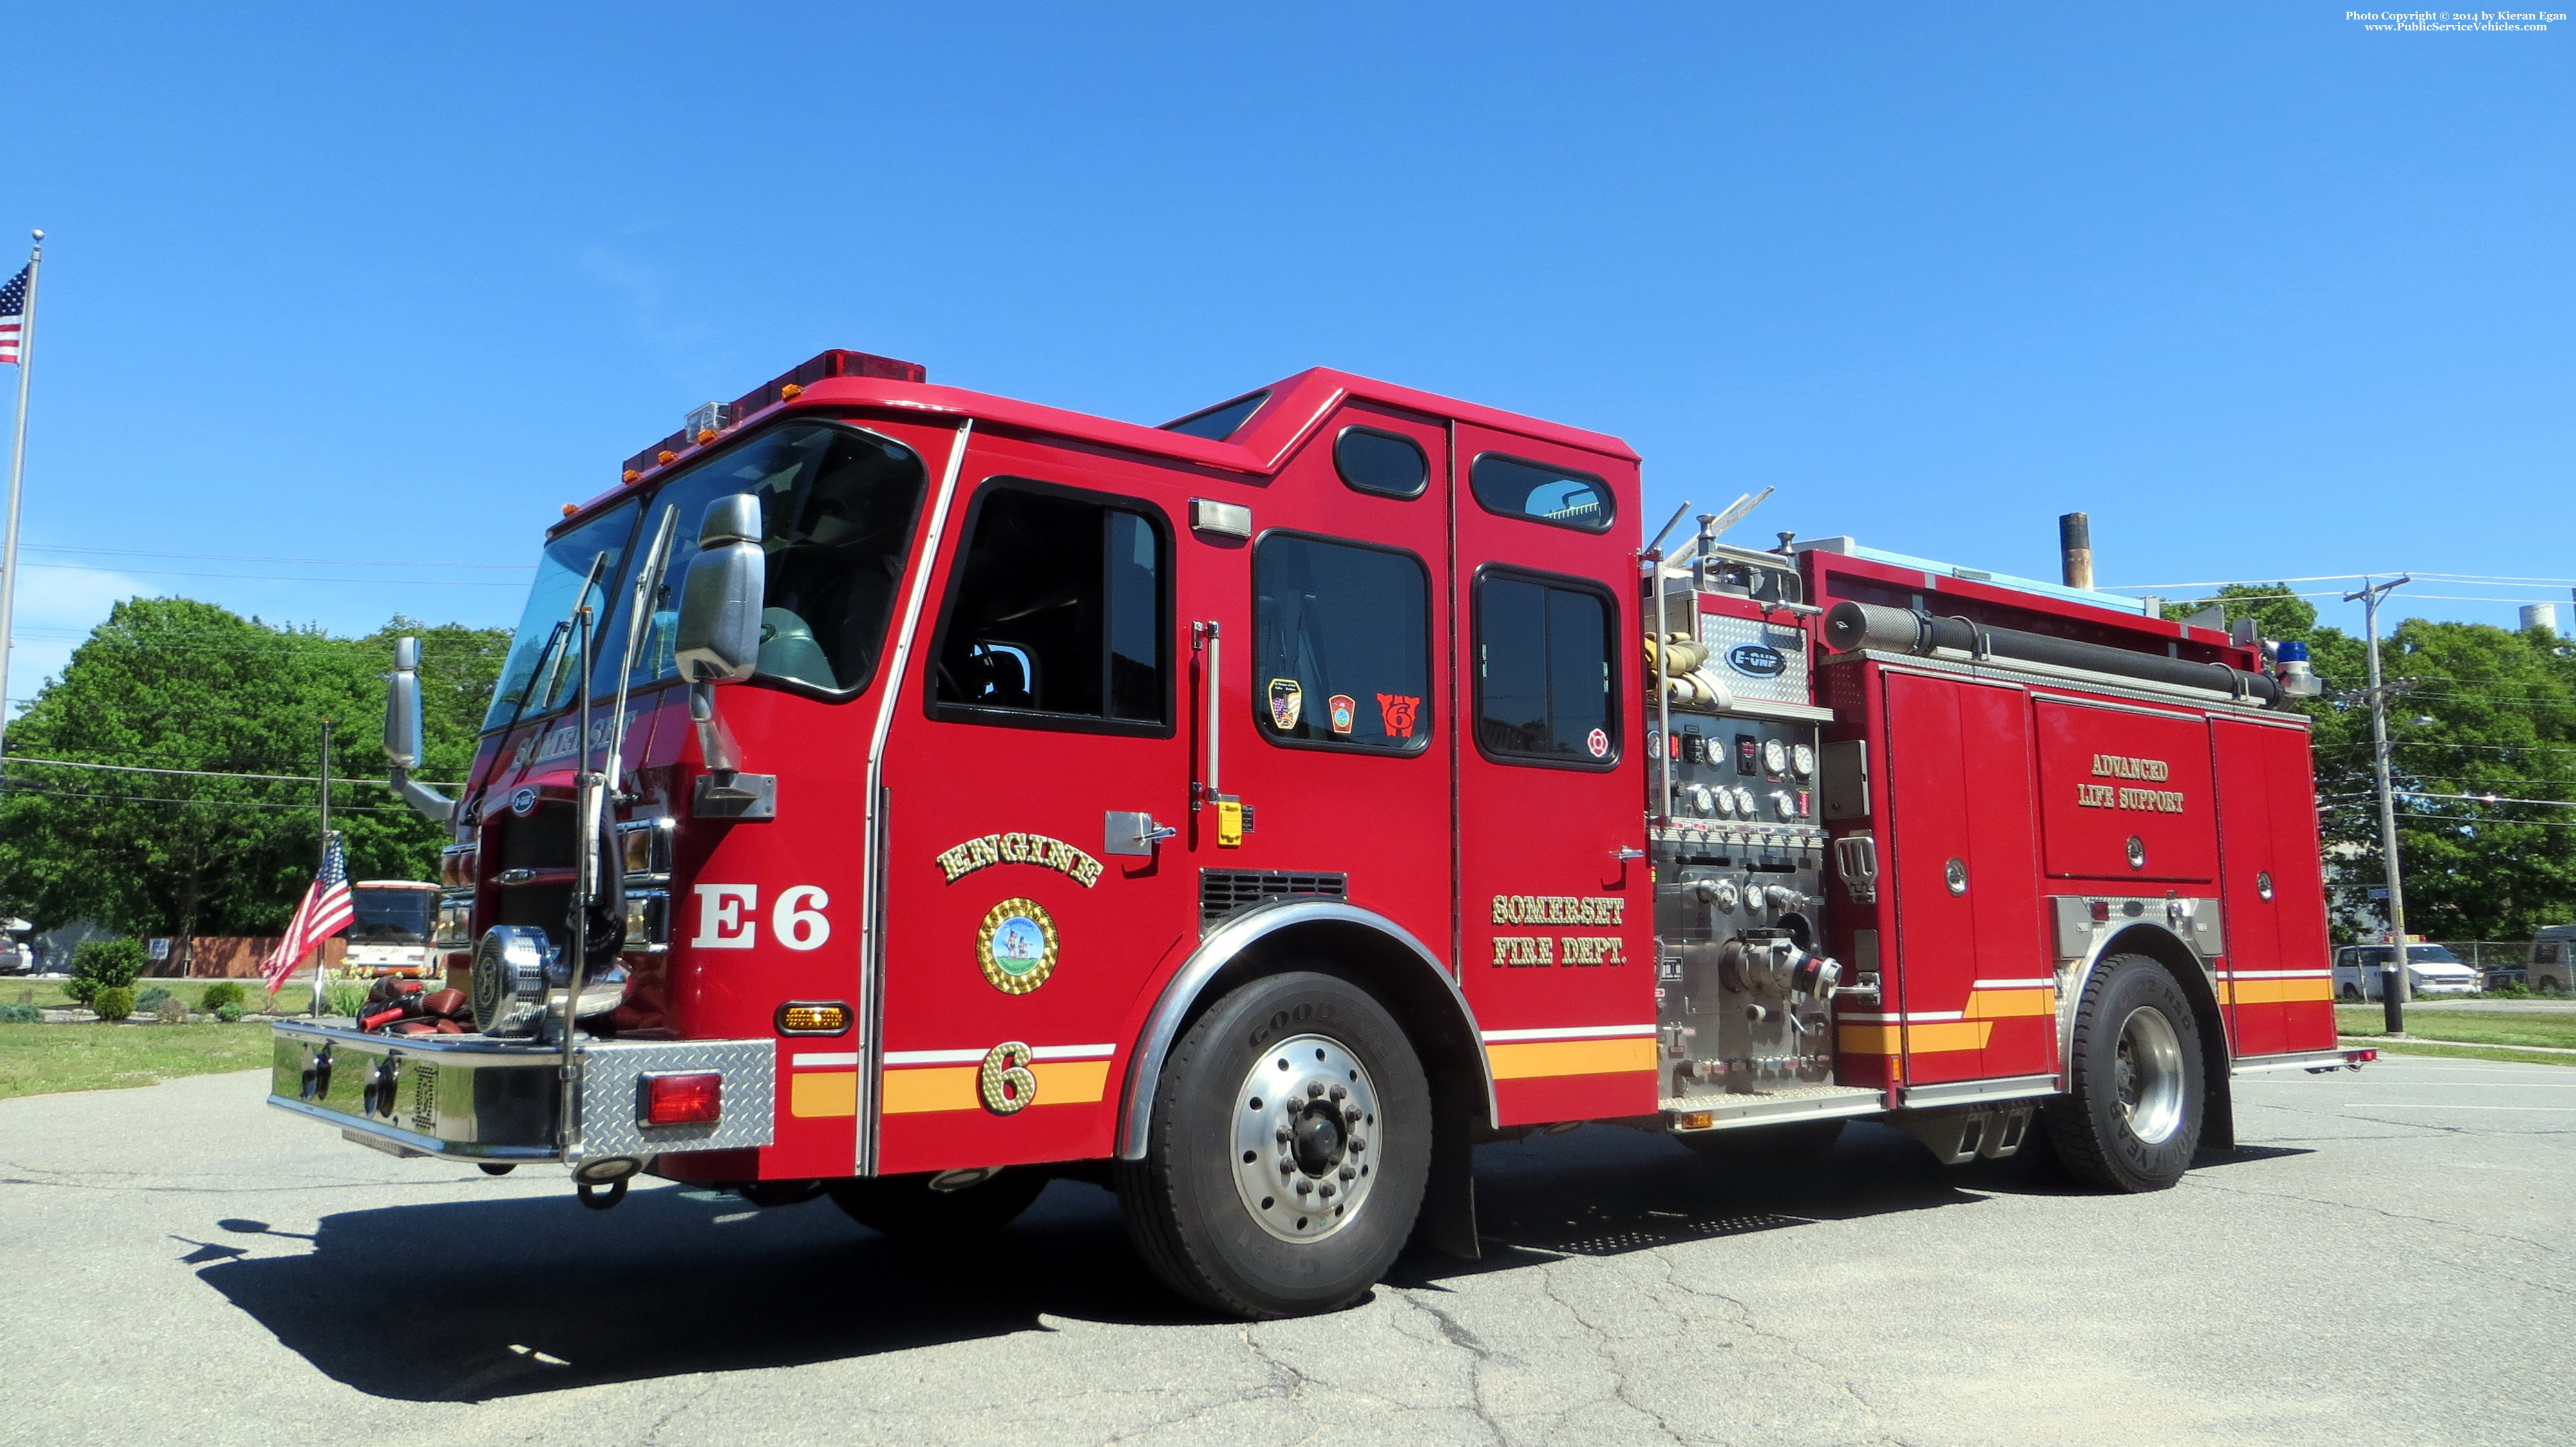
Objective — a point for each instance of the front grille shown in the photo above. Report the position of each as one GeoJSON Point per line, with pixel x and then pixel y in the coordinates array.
{"type": "Point", "coordinates": [1223, 891]}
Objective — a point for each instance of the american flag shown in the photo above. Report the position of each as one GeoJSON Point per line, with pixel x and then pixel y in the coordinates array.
{"type": "Point", "coordinates": [325, 912]}
{"type": "Point", "coordinates": [13, 314]}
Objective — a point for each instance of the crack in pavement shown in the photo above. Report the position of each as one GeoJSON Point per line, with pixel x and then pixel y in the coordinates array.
{"type": "Point", "coordinates": [2381, 1211]}
{"type": "Point", "coordinates": [1795, 1349]}
{"type": "Point", "coordinates": [1607, 1352]}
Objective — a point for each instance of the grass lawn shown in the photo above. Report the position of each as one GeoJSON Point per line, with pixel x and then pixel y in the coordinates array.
{"type": "Point", "coordinates": [2470, 1052]}
{"type": "Point", "coordinates": [37, 1059]}
{"type": "Point", "coordinates": [2466, 1027]}
{"type": "Point", "coordinates": [48, 994]}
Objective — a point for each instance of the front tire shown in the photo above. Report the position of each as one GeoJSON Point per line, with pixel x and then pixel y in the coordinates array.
{"type": "Point", "coordinates": [1289, 1150]}
{"type": "Point", "coordinates": [2133, 1120]}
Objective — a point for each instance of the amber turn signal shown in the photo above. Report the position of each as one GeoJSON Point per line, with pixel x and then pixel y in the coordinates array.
{"type": "Point", "coordinates": [790, 392]}
{"type": "Point", "coordinates": [706, 435]}
{"type": "Point", "coordinates": [813, 1017]}
{"type": "Point", "coordinates": [629, 475]}
{"type": "Point", "coordinates": [666, 456]}
{"type": "Point", "coordinates": [1694, 1119]}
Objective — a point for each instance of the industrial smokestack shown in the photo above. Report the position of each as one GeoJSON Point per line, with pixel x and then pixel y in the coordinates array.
{"type": "Point", "coordinates": [2075, 546]}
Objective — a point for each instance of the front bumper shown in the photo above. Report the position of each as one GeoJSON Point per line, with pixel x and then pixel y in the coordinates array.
{"type": "Point", "coordinates": [480, 1099]}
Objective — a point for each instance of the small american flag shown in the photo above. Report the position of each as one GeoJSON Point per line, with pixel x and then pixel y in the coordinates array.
{"type": "Point", "coordinates": [325, 912]}
{"type": "Point", "coordinates": [13, 314]}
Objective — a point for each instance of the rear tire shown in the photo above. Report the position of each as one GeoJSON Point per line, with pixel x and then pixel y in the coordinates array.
{"type": "Point", "coordinates": [1803, 1140]}
{"type": "Point", "coordinates": [1298, 1080]}
{"type": "Point", "coordinates": [904, 1207]}
{"type": "Point", "coordinates": [2133, 1119]}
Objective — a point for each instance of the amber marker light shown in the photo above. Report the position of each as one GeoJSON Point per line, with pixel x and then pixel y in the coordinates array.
{"type": "Point", "coordinates": [813, 1017]}
{"type": "Point", "coordinates": [629, 475]}
{"type": "Point", "coordinates": [570, 509]}
{"type": "Point", "coordinates": [1694, 1120]}
{"type": "Point", "coordinates": [706, 435]}
{"type": "Point", "coordinates": [666, 457]}
{"type": "Point", "coordinates": [790, 392]}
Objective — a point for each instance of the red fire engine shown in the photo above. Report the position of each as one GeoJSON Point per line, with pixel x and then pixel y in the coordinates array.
{"type": "Point", "coordinates": [909, 795]}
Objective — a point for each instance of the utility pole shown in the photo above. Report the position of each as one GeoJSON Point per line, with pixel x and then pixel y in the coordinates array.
{"type": "Point", "coordinates": [2392, 972]}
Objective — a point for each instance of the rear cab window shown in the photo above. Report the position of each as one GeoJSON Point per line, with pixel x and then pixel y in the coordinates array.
{"type": "Point", "coordinates": [1558, 496]}
{"type": "Point", "coordinates": [1341, 645]}
{"type": "Point", "coordinates": [1546, 684]}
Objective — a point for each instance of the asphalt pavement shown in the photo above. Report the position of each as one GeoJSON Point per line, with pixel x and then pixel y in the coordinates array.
{"type": "Point", "coordinates": [2386, 1258]}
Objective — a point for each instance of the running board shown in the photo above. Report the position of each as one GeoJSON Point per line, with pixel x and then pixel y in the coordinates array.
{"type": "Point", "coordinates": [1695, 1113]}
{"type": "Point", "coordinates": [2312, 1061]}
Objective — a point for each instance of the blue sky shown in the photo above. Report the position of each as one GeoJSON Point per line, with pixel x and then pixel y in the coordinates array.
{"type": "Point", "coordinates": [2269, 295]}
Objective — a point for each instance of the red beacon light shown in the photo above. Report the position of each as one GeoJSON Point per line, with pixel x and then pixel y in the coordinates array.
{"type": "Point", "coordinates": [711, 420]}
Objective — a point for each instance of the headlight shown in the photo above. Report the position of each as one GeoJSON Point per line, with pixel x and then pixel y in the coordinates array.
{"type": "Point", "coordinates": [456, 866]}
{"type": "Point", "coordinates": [455, 922]}
{"type": "Point", "coordinates": [646, 845]}
{"type": "Point", "coordinates": [647, 923]}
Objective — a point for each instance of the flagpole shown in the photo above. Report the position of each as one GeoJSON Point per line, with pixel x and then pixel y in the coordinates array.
{"type": "Point", "coordinates": [17, 469]}
{"type": "Point", "coordinates": [325, 864]}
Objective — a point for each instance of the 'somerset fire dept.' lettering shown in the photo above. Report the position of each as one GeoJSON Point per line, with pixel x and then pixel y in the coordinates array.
{"type": "Point", "coordinates": [1543, 951]}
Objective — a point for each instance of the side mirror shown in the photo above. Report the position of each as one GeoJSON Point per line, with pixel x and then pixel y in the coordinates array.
{"type": "Point", "coordinates": [402, 706]}
{"type": "Point", "coordinates": [718, 639]}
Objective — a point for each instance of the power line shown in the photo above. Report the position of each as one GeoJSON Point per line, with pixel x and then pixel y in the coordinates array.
{"type": "Point", "coordinates": [260, 558]}
{"type": "Point", "coordinates": [207, 773]}
{"type": "Point", "coordinates": [17, 788]}
{"type": "Point", "coordinates": [275, 577]}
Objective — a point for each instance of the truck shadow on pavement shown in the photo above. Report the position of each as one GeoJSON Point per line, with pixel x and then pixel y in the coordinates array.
{"type": "Point", "coordinates": [474, 1300]}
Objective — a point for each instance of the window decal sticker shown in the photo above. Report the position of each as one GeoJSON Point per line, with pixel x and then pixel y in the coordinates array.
{"type": "Point", "coordinates": [1396, 712]}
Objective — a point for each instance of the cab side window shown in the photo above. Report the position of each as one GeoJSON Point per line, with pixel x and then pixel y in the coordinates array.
{"type": "Point", "coordinates": [1058, 615]}
{"type": "Point", "coordinates": [1341, 645]}
{"type": "Point", "coordinates": [1546, 685]}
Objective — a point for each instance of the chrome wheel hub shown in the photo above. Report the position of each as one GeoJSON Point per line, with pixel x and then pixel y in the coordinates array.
{"type": "Point", "coordinates": [1305, 1138]}
{"type": "Point", "coordinates": [2149, 1076]}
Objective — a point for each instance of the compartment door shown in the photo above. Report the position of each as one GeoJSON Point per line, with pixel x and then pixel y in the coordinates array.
{"type": "Point", "coordinates": [2278, 981]}
{"type": "Point", "coordinates": [1974, 986]}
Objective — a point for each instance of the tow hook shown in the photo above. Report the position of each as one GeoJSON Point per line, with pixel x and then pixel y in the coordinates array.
{"type": "Point", "coordinates": [601, 1184]}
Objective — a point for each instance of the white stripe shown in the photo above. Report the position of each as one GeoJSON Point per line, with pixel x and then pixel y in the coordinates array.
{"type": "Point", "coordinates": [2399, 1105]}
{"type": "Point", "coordinates": [972, 1057]}
{"type": "Point", "coordinates": [2275, 974]}
{"type": "Point", "coordinates": [1919, 1017]}
{"type": "Point", "coordinates": [2049, 983]}
{"type": "Point", "coordinates": [808, 1059]}
{"type": "Point", "coordinates": [1570, 1032]}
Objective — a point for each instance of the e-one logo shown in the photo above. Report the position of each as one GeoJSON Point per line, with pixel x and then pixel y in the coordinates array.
{"type": "Point", "coordinates": [1755, 661]}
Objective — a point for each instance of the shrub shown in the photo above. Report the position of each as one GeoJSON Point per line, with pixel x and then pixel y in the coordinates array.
{"type": "Point", "coordinates": [104, 965]}
{"type": "Point", "coordinates": [170, 1012]}
{"type": "Point", "coordinates": [230, 1012]}
{"type": "Point", "coordinates": [151, 996]}
{"type": "Point", "coordinates": [21, 1015]}
{"type": "Point", "coordinates": [112, 1002]}
{"type": "Point", "coordinates": [222, 993]}
{"type": "Point", "coordinates": [344, 997]}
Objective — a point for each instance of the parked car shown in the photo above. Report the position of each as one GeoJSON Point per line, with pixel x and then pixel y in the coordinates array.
{"type": "Point", "coordinates": [2430, 970]}
{"type": "Point", "coordinates": [16, 958]}
{"type": "Point", "coordinates": [2553, 957]}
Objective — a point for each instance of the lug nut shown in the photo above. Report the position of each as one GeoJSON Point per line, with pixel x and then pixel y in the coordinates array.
{"type": "Point", "coordinates": [1314, 1088]}
{"type": "Point", "coordinates": [1305, 1186]}
{"type": "Point", "coordinates": [1338, 1092]}
{"type": "Point", "coordinates": [1348, 1173]}
{"type": "Point", "coordinates": [1328, 1190]}
{"type": "Point", "coordinates": [1281, 1135]}
{"type": "Point", "coordinates": [1359, 1143]}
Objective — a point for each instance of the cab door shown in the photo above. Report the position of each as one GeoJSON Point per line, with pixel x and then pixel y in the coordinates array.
{"type": "Point", "coordinates": [1555, 901]}
{"type": "Point", "coordinates": [1050, 696]}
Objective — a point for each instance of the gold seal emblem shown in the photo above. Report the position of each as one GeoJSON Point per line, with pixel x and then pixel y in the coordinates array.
{"type": "Point", "coordinates": [1017, 946]}
{"type": "Point", "coordinates": [1006, 1082]}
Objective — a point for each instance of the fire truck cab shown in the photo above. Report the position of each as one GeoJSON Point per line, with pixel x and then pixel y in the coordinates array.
{"type": "Point", "coordinates": [911, 794]}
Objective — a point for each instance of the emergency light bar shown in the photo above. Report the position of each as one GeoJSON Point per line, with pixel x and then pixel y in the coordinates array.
{"type": "Point", "coordinates": [715, 417]}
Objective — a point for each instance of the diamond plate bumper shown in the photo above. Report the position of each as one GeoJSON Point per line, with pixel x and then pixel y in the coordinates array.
{"type": "Point", "coordinates": [498, 1100]}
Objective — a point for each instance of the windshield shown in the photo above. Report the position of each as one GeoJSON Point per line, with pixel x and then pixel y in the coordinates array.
{"type": "Point", "coordinates": [390, 916]}
{"type": "Point", "coordinates": [836, 507]}
{"type": "Point", "coordinates": [566, 561]}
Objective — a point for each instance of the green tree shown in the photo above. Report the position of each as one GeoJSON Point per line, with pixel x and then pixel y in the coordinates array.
{"type": "Point", "coordinates": [176, 684]}
{"type": "Point", "coordinates": [2482, 712]}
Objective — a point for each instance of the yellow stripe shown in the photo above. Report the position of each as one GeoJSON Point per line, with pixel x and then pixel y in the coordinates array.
{"type": "Point", "coordinates": [823, 1093]}
{"type": "Point", "coordinates": [1570, 1057]}
{"type": "Point", "coordinates": [2008, 1004]}
{"type": "Point", "coordinates": [2274, 992]}
{"type": "Point", "coordinates": [1066, 1082]}
{"type": "Point", "coordinates": [1940, 1035]}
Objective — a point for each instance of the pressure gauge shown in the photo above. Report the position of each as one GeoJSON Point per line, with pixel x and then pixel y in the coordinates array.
{"type": "Point", "coordinates": [1803, 759]}
{"type": "Point", "coordinates": [1726, 896]}
{"type": "Point", "coordinates": [1775, 757]}
{"type": "Point", "coordinates": [1785, 802]}
{"type": "Point", "coordinates": [1744, 801]}
{"type": "Point", "coordinates": [1700, 800]}
{"type": "Point", "coordinates": [1725, 798]}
